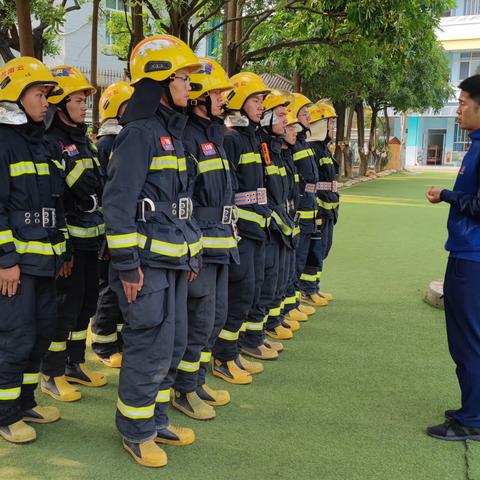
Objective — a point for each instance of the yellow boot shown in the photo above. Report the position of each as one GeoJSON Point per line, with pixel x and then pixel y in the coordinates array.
{"type": "Point", "coordinates": [297, 315]}
{"type": "Point", "coordinates": [18, 432]}
{"type": "Point", "coordinates": [277, 346]}
{"type": "Point", "coordinates": [251, 367]}
{"type": "Point", "coordinates": [306, 309]}
{"type": "Point", "coordinates": [313, 300]}
{"type": "Point", "coordinates": [59, 389]}
{"type": "Point", "coordinates": [280, 333]}
{"type": "Point", "coordinates": [176, 436]}
{"type": "Point", "coordinates": [294, 326]}
{"type": "Point", "coordinates": [193, 406]}
{"type": "Point", "coordinates": [261, 352]}
{"type": "Point", "coordinates": [113, 361]}
{"type": "Point", "coordinates": [216, 398]}
{"type": "Point", "coordinates": [327, 296]}
{"type": "Point", "coordinates": [148, 454]}
{"type": "Point", "coordinates": [230, 372]}
{"type": "Point", "coordinates": [41, 415]}
{"type": "Point", "coordinates": [80, 373]}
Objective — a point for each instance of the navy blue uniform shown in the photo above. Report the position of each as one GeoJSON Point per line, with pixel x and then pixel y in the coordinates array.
{"type": "Point", "coordinates": [462, 277]}
{"type": "Point", "coordinates": [147, 211]}
{"type": "Point", "coordinates": [31, 214]}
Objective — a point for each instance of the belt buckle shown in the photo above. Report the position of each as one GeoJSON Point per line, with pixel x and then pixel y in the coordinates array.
{"type": "Point", "coordinates": [262, 196]}
{"type": "Point", "coordinates": [227, 215]}
{"type": "Point", "coordinates": [185, 208]}
{"type": "Point", "coordinates": [143, 202]}
{"type": "Point", "coordinates": [49, 218]}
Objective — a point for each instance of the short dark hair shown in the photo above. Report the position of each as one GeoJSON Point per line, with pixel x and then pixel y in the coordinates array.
{"type": "Point", "coordinates": [471, 85]}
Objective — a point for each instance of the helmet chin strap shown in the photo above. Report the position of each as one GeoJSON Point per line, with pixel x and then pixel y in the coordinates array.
{"type": "Point", "coordinates": [170, 101]}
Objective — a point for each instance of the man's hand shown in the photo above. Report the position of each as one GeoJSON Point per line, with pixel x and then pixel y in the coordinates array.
{"type": "Point", "coordinates": [191, 276]}
{"type": "Point", "coordinates": [131, 289]}
{"type": "Point", "coordinates": [9, 280]}
{"type": "Point", "coordinates": [433, 194]}
{"type": "Point", "coordinates": [66, 269]}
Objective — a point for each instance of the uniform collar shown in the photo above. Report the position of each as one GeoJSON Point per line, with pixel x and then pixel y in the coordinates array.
{"type": "Point", "coordinates": [214, 129]}
{"type": "Point", "coordinates": [475, 135]}
{"type": "Point", "coordinates": [174, 121]}
{"type": "Point", "coordinates": [77, 133]}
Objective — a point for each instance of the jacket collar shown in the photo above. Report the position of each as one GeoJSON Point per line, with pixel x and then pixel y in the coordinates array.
{"type": "Point", "coordinates": [174, 121]}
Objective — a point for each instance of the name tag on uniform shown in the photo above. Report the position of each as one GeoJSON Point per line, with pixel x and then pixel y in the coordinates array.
{"type": "Point", "coordinates": [167, 144]}
{"type": "Point", "coordinates": [208, 149]}
{"type": "Point", "coordinates": [71, 150]}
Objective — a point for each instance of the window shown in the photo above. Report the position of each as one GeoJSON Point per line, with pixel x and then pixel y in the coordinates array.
{"type": "Point", "coordinates": [112, 7]}
{"type": "Point", "coordinates": [461, 140]}
{"type": "Point", "coordinates": [114, 4]}
{"type": "Point", "coordinates": [213, 40]}
{"type": "Point", "coordinates": [469, 64]}
{"type": "Point", "coordinates": [472, 7]}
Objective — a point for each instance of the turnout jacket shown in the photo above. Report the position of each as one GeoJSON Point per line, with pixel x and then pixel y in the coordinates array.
{"type": "Point", "coordinates": [306, 163]}
{"type": "Point", "coordinates": [84, 178]}
{"type": "Point", "coordinates": [242, 146]}
{"type": "Point", "coordinates": [293, 197]}
{"type": "Point", "coordinates": [145, 192]}
{"type": "Point", "coordinates": [31, 210]}
{"type": "Point", "coordinates": [211, 188]}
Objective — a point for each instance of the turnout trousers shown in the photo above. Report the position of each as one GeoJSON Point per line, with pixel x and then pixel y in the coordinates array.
{"type": "Point", "coordinates": [326, 232]}
{"type": "Point", "coordinates": [245, 282]}
{"type": "Point", "coordinates": [76, 302]}
{"type": "Point", "coordinates": [107, 323]}
{"type": "Point", "coordinates": [154, 341]}
{"type": "Point", "coordinates": [462, 314]}
{"type": "Point", "coordinates": [291, 294]}
{"type": "Point", "coordinates": [207, 311]}
{"type": "Point", "coordinates": [27, 326]}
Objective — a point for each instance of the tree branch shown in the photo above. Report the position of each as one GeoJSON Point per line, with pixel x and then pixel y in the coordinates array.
{"type": "Point", "coordinates": [207, 17]}
{"type": "Point", "coordinates": [155, 14]}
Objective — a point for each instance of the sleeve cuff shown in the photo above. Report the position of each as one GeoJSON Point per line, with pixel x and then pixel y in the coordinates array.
{"type": "Point", "coordinates": [130, 276]}
{"type": "Point", "coordinates": [448, 196]}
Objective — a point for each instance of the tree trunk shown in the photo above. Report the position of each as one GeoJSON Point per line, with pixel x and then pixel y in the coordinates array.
{"type": "Point", "coordinates": [372, 141]}
{"type": "Point", "coordinates": [238, 36]}
{"type": "Point", "coordinates": [5, 51]}
{"type": "Point", "coordinates": [297, 81]}
{"type": "Point", "coordinates": [93, 66]}
{"type": "Point", "coordinates": [347, 154]}
{"type": "Point", "coordinates": [137, 23]}
{"type": "Point", "coordinates": [361, 138]}
{"type": "Point", "coordinates": [25, 28]}
{"type": "Point", "coordinates": [229, 50]}
{"type": "Point", "coordinates": [339, 151]}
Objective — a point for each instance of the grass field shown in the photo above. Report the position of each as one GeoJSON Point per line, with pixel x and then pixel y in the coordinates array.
{"type": "Point", "coordinates": [351, 395]}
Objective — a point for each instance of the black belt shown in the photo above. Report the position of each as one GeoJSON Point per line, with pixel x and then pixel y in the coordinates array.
{"type": "Point", "coordinates": [225, 214]}
{"type": "Point", "coordinates": [46, 218]}
{"type": "Point", "coordinates": [182, 209]}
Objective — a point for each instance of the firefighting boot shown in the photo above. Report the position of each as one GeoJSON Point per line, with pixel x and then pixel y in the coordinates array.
{"type": "Point", "coordinates": [279, 333]}
{"type": "Point", "coordinates": [261, 352]}
{"type": "Point", "coordinates": [176, 436]}
{"type": "Point", "coordinates": [306, 309]}
{"type": "Point", "coordinates": [230, 372]}
{"type": "Point", "coordinates": [294, 325]}
{"type": "Point", "coordinates": [18, 432]}
{"type": "Point", "coordinates": [297, 315]}
{"type": "Point", "coordinates": [251, 367]}
{"type": "Point", "coordinates": [215, 398]}
{"type": "Point", "coordinates": [148, 454]}
{"type": "Point", "coordinates": [193, 406]}
{"type": "Point", "coordinates": [327, 296]}
{"type": "Point", "coordinates": [59, 389]}
{"type": "Point", "coordinates": [277, 346]}
{"type": "Point", "coordinates": [313, 300]}
{"type": "Point", "coordinates": [41, 415]}
{"type": "Point", "coordinates": [113, 361]}
{"type": "Point", "coordinates": [80, 373]}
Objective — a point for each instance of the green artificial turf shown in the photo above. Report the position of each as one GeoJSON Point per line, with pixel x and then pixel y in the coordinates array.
{"type": "Point", "coordinates": [351, 395]}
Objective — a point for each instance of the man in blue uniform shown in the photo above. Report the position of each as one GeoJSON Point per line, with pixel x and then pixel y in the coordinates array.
{"type": "Point", "coordinates": [462, 278]}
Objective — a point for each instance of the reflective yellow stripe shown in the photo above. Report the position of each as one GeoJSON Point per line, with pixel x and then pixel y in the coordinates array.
{"type": "Point", "coordinates": [42, 169]}
{"type": "Point", "coordinates": [219, 242]}
{"type": "Point", "coordinates": [112, 338]}
{"type": "Point", "coordinates": [226, 165]}
{"type": "Point", "coordinates": [296, 177]}
{"type": "Point", "coordinates": [60, 248]}
{"type": "Point", "coordinates": [211, 165]}
{"type": "Point", "coordinates": [135, 412]}
{"type": "Point", "coordinates": [286, 230]}
{"type": "Point", "coordinates": [189, 367]}
{"type": "Point", "coordinates": [163, 396]}
{"type": "Point", "coordinates": [253, 326]}
{"type": "Point", "coordinates": [252, 217]}
{"type": "Point", "coordinates": [307, 152]}
{"type": "Point", "coordinates": [79, 335]}
{"type": "Point", "coordinates": [250, 157]}
{"type": "Point", "coordinates": [272, 170]}
{"type": "Point", "coordinates": [290, 300]}
{"type": "Point", "coordinates": [196, 247]}
{"type": "Point", "coordinates": [169, 249]}
{"type": "Point", "coordinates": [38, 248]}
{"type": "Point", "coordinates": [80, 166]}
{"type": "Point", "coordinates": [295, 231]}
{"type": "Point", "coordinates": [30, 378]}
{"type": "Point", "coordinates": [89, 232]}
{"type": "Point", "coordinates": [57, 347]}
{"type": "Point", "coordinates": [10, 393]}
{"type": "Point", "coordinates": [227, 335]}
{"type": "Point", "coordinates": [22, 168]}
{"type": "Point", "coordinates": [58, 164]}
{"type": "Point", "coordinates": [275, 312]}
{"type": "Point", "coordinates": [306, 214]}
{"type": "Point", "coordinates": [327, 205]}
{"type": "Point", "coordinates": [119, 327]}
{"type": "Point", "coordinates": [205, 357]}
{"type": "Point", "coordinates": [282, 171]}
{"type": "Point", "coordinates": [168, 162]}
{"type": "Point", "coordinates": [308, 278]}
{"type": "Point", "coordinates": [318, 221]}
{"type": "Point", "coordinates": [325, 161]}
{"type": "Point", "coordinates": [6, 237]}
{"type": "Point", "coordinates": [124, 240]}
{"type": "Point", "coordinates": [142, 240]}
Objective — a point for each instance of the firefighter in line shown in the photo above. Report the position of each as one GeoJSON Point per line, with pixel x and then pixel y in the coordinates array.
{"type": "Point", "coordinates": [322, 118]}
{"type": "Point", "coordinates": [32, 246]}
{"type": "Point", "coordinates": [212, 195]}
{"type": "Point", "coordinates": [64, 363]}
{"type": "Point", "coordinates": [153, 243]}
{"type": "Point", "coordinates": [107, 323]}
{"type": "Point", "coordinates": [242, 146]}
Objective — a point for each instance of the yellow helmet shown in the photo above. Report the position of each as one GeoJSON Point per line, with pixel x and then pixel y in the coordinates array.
{"type": "Point", "coordinates": [299, 102]}
{"type": "Point", "coordinates": [277, 98]}
{"type": "Point", "coordinates": [113, 97]}
{"type": "Point", "coordinates": [321, 111]}
{"type": "Point", "coordinates": [159, 57]}
{"type": "Point", "coordinates": [70, 80]}
{"type": "Point", "coordinates": [245, 85]}
{"type": "Point", "coordinates": [21, 73]}
{"type": "Point", "coordinates": [210, 76]}
{"type": "Point", "coordinates": [291, 118]}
